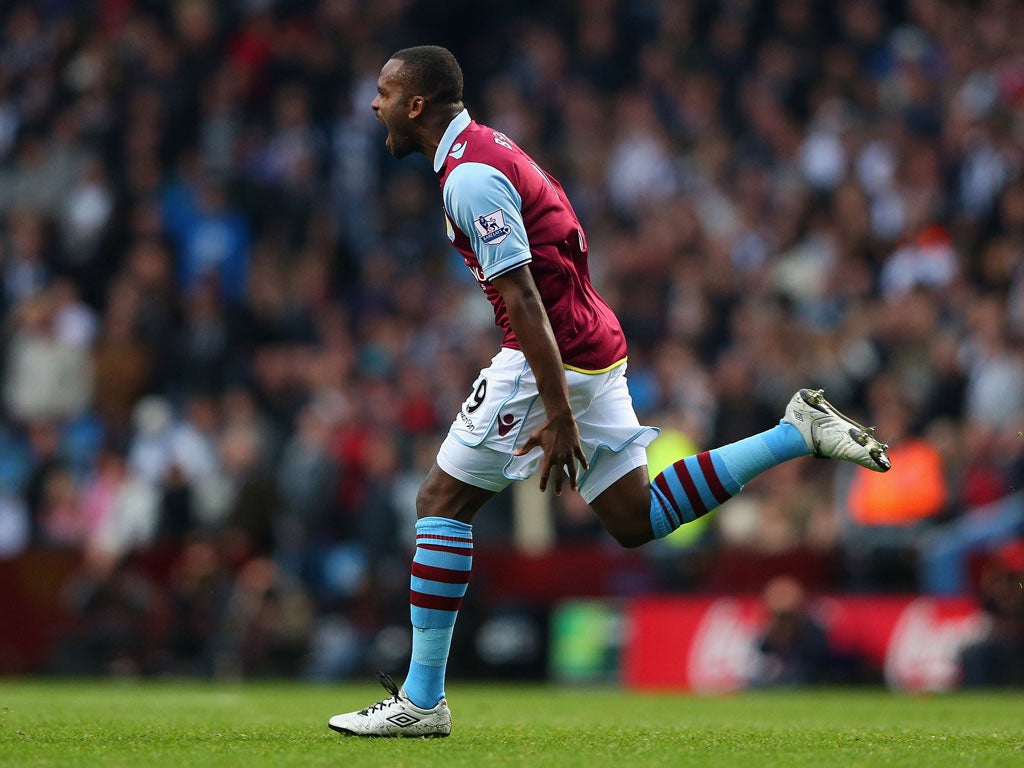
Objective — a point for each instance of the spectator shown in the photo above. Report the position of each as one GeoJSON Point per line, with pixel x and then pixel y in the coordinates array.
{"type": "Point", "coordinates": [883, 523]}
{"type": "Point", "coordinates": [124, 515]}
{"type": "Point", "coordinates": [308, 479]}
{"type": "Point", "coordinates": [997, 658]}
{"type": "Point", "coordinates": [199, 590]}
{"type": "Point", "coordinates": [213, 240]}
{"type": "Point", "coordinates": [792, 648]}
{"type": "Point", "coordinates": [86, 212]}
{"type": "Point", "coordinates": [253, 506]}
{"type": "Point", "coordinates": [44, 377]}
{"type": "Point", "coordinates": [267, 623]}
{"type": "Point", "coordinates": [26, 268]}
{"type": "Point", "coordinates": [123, 363]}
{"type": "Point", "coordinates": [47, 460]}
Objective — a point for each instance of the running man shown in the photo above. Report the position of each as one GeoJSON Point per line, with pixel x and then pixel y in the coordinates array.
{"type": "Point", "coordinates": [554, 396]}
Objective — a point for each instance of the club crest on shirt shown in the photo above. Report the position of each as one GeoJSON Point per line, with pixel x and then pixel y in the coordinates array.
{"type": "Point", "coordinates": [492, 228]}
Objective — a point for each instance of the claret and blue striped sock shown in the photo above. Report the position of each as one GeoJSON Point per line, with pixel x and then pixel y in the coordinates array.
{"type": "Point", "coordinates": [694, 486]}
{"type": "Point", "coordinates": [440, 575]}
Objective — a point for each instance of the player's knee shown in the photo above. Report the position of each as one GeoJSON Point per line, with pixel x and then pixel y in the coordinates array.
{"type": "Point", "coordinates": [633, 538]}
{"type": "Point", "coordinates": [625, 510]}
{"type": "Point", "coordinates": [632, 531]}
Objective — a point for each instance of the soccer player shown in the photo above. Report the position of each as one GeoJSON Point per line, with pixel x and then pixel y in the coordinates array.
{"type": "Point", "coordinates": [554, 396]}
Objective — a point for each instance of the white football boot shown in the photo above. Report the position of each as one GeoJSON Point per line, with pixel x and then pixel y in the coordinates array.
{"type": "Point", "coordinates": [396, 716]}
{"type": "Point", "coordinates": [830, 434]}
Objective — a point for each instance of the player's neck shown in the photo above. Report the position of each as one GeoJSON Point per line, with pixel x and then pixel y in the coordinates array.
{"type": "Point", "coordinates": [434, 127]}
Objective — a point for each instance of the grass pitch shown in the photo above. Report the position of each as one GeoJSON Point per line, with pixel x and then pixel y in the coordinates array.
{"type": "Point", "coordinates": [184, 724]}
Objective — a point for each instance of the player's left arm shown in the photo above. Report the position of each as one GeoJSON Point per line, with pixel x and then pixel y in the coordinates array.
{"type": "Point", "coordinates": [559, 436]}
{"type": "Point", "coordinates": [486, 206]}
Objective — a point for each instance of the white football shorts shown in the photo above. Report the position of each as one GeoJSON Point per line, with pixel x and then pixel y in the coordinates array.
{"type": "Point", "coordinates": [504, 408]}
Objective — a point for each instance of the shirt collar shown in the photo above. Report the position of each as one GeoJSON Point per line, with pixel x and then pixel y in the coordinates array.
{"type": "Point", "coordinates": [458, 124]}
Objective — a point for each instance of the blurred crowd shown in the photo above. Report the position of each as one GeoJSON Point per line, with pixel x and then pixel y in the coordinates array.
{"type": "Point", "coordinates": [234, 332]}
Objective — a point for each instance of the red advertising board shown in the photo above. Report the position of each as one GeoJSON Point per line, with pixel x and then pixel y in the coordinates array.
{"type": "Point", "coordinates": [710, 644]}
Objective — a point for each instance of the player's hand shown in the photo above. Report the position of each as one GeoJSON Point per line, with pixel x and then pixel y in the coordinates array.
{"type": "Point", "coordinates": [559, 438]}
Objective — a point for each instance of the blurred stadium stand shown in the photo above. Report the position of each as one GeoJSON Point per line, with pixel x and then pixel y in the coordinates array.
{"type": "Point", "coordinates": [234, 333]}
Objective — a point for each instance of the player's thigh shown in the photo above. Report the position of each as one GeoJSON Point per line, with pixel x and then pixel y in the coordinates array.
{"type": "Point", "coordinates": [462, 480]}
{"type": "Point", "coordinates": [614, 442]}
{"type": "Point", "coordinates": [616, 485]}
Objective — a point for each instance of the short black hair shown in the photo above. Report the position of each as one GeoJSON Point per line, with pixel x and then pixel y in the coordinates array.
{"type": "Point", "coordinates": [432, 72]}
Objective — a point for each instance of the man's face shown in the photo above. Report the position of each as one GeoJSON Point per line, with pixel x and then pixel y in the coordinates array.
{"type": "Point", "coordinates": [392, 107]}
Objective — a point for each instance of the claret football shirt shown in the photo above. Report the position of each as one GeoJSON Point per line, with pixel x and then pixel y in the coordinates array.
{"type": "Point", "coordinates": [503, 211]}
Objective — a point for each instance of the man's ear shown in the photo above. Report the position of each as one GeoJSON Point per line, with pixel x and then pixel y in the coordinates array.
{"type": "Point", "coordinates": [416, 106]}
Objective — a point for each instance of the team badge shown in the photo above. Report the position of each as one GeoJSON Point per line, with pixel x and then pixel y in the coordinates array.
{"type": "Point", "coordinates": [492, 228]}
{"type": "Point", "coordinates": [449, 229]}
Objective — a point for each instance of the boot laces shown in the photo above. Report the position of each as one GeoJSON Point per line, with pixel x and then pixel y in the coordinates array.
{"type": "Point", "coordinates": [390, 686]}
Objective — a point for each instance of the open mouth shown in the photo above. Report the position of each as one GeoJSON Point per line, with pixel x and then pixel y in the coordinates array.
{"type": "Point", "coordinates": [387, 140]}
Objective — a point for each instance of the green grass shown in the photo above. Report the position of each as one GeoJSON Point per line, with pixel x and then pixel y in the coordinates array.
{"type": "Point", "coordinates": [196, 725]}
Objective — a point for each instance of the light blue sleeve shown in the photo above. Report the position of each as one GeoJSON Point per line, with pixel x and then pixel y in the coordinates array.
{"type": "Point", "coordinates": [482, 202]}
